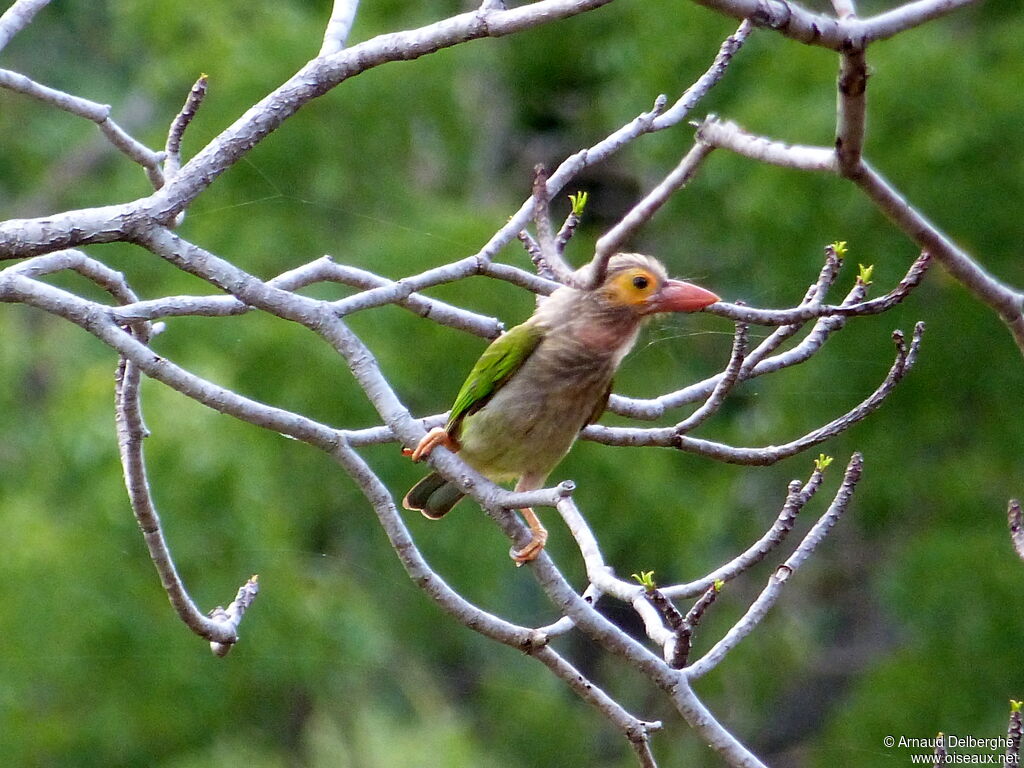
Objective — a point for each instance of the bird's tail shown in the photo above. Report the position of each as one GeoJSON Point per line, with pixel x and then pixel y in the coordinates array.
{"type": "Point", "coordinates": [433, 496]}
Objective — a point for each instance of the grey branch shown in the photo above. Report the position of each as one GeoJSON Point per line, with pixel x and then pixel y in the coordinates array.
{"type": "Point", "coordinates": [760, 607]}
{"type": "Point", "coordinates": [324, 269]}
{"type": "Point", "coordinates": [730, 376]}
{"type": "Point", "coordinates": [343, 15]}
{"type": "Point", "coordinates": [466, 613]}
{"type": "Point", "coordinates": [812, 310]}
{"type": "Point", "coordinates": [851, 108]}
{"type": "Point", "coordinates": [668, 437]}
{"type": "Point", "coordinates": [795, 21]}
{"type": "Point", "coordinates": [940, 755]}
{"type": "Point", "coordinates": [713, 732]}
{"type": "Point", "coordinates": [797, 496]}
{"type": "Point", "coordinates": [221, 628]}
{"type": "Point", "coordinates": [732, 44]}
{"type": "Point", "coordinates": [90, 110]}
{"type": "Point", "coordinates": [1014, 731]}
{"type": "Point", "coordinates": [233, 614]}
{"type": "Point", "coordinates": [1007, 302]}
{"type": "Point", "coordinates": [17, 17]}
{"type": "Point", "coordinates": [613, 240]}
{"type": "Point", "coordinates": [172, 150]}
{"type": "Point", "coordinates": [544, 251]}
{"type": "Point", "coordinates": [1013, 513]}
{"type": "Point", "coordinates": [124, 327]}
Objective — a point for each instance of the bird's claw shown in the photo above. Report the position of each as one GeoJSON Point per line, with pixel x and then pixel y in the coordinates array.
{"type": "Point", "coordinates": [435, 437]}
{"type": "Point", "coordinates": [531, 551]}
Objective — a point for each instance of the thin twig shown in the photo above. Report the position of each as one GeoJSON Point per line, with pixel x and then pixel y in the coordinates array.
{"type": "Point", "coordinates": [1014, 731]}
{"type": "Point", "coordinates": [544, 252]}
{"type": "Point", "coordinates": [234, 613]}
{"type": "Point", "coordinates": [343, 14]}
{"type": "Point", "coordinates": [1007, 302]}
{"type": "Point", "coordinates": [90, 110]}
{"type": "Point", "coordinates": [906, 356]}
{"type": "Point", "coordinates": [796, 498]}
{"type": "Point", "coordinates": [726, 382]}
{"type": "Point", "coordinates": [172, 163]}
{"type": "Point", "coordinates": [760, 607]}
{"type": "Point", "coordinates": [613, 240]}
{"type": "Point", "coordinates": [726, 134]}
{"type": "Point", "coordinates": [17, 17]}
{"type": "Point", "coordinates": [940, 755]}
{"type": "Point", "coordinates": [684, 639]}
{"type": "Point", "coordinates": [221, 627]}
{"type": "Point", "coordinates": [693, 95]}
{"type": "Point", "coordinates": [707, 726]}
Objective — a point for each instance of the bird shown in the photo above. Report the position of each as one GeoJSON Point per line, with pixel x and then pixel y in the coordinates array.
{"type": "Point", "coordinates": [540, 383]}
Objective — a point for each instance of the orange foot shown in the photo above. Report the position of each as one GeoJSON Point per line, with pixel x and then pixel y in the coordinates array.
{"type": "Point", "coordinates": [435, 437]}
{"type": "Point", "coordinates": [537, 540]}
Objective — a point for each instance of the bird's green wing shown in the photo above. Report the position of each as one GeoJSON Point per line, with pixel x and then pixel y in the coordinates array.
{"type": "Point", "coordinates": [498, 362]}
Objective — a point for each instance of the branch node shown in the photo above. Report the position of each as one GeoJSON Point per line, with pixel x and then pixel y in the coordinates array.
{"type": "Point", "coordinates": [232, 615]}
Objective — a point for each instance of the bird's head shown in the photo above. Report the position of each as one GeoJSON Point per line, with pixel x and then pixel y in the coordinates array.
{"type": "Point", "coordinates": [640, 283]}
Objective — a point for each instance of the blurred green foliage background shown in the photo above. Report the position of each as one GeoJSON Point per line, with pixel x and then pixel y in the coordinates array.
{"type": "Point", "coordinates": [909, 620]}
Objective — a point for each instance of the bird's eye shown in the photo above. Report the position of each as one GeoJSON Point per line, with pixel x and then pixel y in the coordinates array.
{"type": "Point", "coordinates": [640, 282]}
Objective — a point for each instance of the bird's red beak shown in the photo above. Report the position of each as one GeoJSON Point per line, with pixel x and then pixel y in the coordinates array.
{"type": "Point", "coordinates": [677, 296]}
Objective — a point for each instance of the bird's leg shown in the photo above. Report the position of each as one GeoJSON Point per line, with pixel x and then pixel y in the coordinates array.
{"type": "Point", "coordinates": [539, 534]}
{"type": "Point", "coordinates": [435, 437]}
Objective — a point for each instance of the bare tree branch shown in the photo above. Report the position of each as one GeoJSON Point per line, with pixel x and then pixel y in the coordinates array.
{"type": "Point", "coordinates": [1014, 731]}
{"type": "Point", "coordinates": [668, 437]}
{"type": "Point", "coordinates": [1006, 301]}
{"type": "Point", "coordinates": [544, 251]}
{"type": "Point", "coordinates": [940, 755]}
{"type": "Point", "coordinates": [90, 110]}
{"type": "Point", "coordinates": [760, 607]}
{"type": "Point", "coordinates": [180, 123]}
{"type": "Point", "coordinates": [727, 135]}
{"type": "Point", "coordinates": [613, 240]}
{"type": "Point", "coordinates": [343, 14]}
{"type": "Point", "coordinates": [125, 328]}
{"type": "Point", "coordinates": [844, 9]}
{"type": "Point", "coordinates": [851, 109]}
{"type": "Point", "coordinates": [792, 20]}
{"type": "Point", "coordinates": [729, 48]}
{"type": "Point", "coordinates": [730, 376]}
{"type": "Point", "coordinates": [17, 17]}
{"type": "Point", "coordinates": [713, 732]}
{"type": "Point", "coordinates": [797, 497]}
{"type": "Point", "coordinates": [1013, 513]}
{"type": "Point", "coordinates": [232, 615]}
